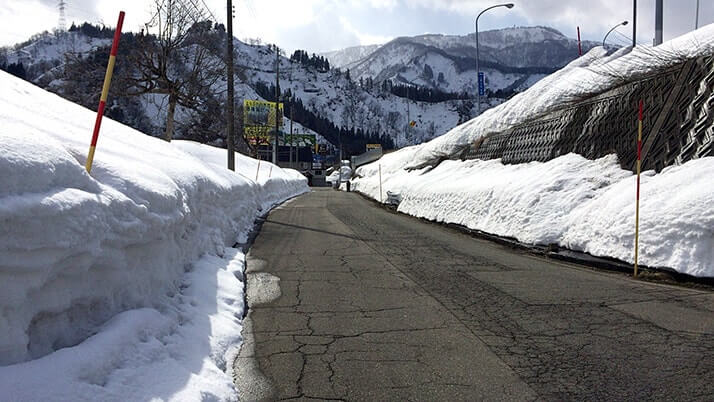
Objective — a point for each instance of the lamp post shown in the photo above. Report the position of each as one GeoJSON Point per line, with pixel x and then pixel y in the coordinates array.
{"type": "Point", "coordinates": [623, 23]}
{"type": "Point", "coordinates": [478, 93]}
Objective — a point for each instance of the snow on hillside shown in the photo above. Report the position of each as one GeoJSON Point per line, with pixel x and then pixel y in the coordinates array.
{"type": "Point", "coordinates": [511, 58]}
{"type": "Point", "coordinates": [343, 57]}
{"type": "Point", "coordinates": [327, 94]}
{"type": "Point", "coordinates": [570, 201]}
{"type": "Point", "coordinates": [342, 101]}
{"type": "Point", "coordinates": [52, 47]}
{"type": "Point", "coordinates": [122, 285]}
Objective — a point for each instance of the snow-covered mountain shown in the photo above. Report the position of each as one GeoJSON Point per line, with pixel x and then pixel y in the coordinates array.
{"type": "Point", "coordinates": [513, 59]}
{"type": "Point", "coordinates": [328, 103]}
{"type": "Point", "coordinates": [343, 57]}
{"type": "Point", "coordinates": [353, 108]}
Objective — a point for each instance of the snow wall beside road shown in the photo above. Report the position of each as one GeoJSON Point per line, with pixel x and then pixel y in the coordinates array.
{"type": "Point", "coordinates": [136, 256]}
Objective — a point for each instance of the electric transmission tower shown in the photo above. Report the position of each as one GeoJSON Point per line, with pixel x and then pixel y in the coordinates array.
{"type": "Point", "coordinates": [62, 26]}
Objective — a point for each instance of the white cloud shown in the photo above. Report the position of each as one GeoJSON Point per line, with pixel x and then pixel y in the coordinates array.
{"type": "Point", "coordinates": [317, 25]}
{"type": "Point", "coordinates": [364, 38]}
{"type": "Point", "coordinates": [16, 17]}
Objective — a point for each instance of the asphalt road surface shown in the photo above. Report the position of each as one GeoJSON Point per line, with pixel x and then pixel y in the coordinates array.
{"type": "Point", "coordinates": [349, 301]}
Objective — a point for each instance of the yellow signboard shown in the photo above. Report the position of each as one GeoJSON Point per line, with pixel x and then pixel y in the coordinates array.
{"type": "Point", "coordinates": [374, 146]}
{"type": "Point", "coordinates": [257, 135]}
{"type": "Point", "coordinates": [261, 113]}
{"type": "Point", "coordinates": [259, 121]}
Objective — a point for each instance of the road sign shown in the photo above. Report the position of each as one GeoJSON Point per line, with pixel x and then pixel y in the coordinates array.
{"type": "Point", "coordinates": [481, 84]}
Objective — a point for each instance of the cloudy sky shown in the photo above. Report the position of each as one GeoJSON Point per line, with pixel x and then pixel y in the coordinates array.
{"type": "Point", "coordinates": [321, 25]}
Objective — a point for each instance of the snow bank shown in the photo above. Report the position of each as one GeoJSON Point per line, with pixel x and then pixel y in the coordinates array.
{"type": "Point", "coordinates": [130, 269]}
{"type": "Point", "coordinates": [570, 201]}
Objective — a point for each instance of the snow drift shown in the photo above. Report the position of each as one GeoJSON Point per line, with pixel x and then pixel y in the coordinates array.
{"type": "Point", "coordinates": [570, 201]}
{"type": "Point", "coordinates": [131, 269]}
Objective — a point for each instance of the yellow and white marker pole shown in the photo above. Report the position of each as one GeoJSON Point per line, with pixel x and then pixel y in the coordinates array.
{"type": "Point", "coordinates": [105, 92]}
{"type": "Point", "coordinates": [637, 202]}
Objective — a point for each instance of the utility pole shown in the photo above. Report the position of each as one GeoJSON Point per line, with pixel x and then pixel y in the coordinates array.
{"type": "Point", "coordinates": [291, 135]}
{"type": "Point", "coordinates": [277, 103]}
{"type": "Point", "coordinates": [478, 71]}
{"type": "Point", "coordinates": [634, 23]}
{"type": "Point", "coordinates": [658, 23]}
{"type": "Point", "coordinates": [696, 18]}
{"type": "Point", "coordinates": [231, 89]}
{"type": "Point", "coordinates": [409, 119]}
{"type": "Point", "coordinates": [580, 46]}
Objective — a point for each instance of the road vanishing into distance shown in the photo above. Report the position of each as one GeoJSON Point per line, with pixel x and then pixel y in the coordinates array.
{"type": "Point", "coordinates": [350, 301]}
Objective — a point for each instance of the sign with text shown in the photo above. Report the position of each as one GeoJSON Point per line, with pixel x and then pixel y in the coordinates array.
{"type": "Point", "coordinates": [298, 140]}
{"type": "Point", "coordinates": [373, 146]}
{"type": "Point", "coordinates": [259, 121]}
{"type": "Point", "coordinates": [261, 113]}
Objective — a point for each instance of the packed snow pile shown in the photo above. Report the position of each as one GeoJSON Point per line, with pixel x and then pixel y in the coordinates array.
{"type": "Point", "coordinates": [570, 201]}
{"type": "Point", "coordinates": [122, 285]}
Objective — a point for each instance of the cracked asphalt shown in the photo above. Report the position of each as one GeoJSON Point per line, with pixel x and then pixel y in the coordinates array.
{"type": "Point", "coordinates": [372, 305]}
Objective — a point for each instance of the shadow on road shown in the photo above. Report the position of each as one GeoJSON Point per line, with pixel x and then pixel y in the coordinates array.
{"type": "Point", "coordinates": [314, 230]}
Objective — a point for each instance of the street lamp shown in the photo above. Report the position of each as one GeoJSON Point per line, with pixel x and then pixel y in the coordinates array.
{"type": "Point", "coordinates": [478, 94]}
{"type": "Point", "coordinates": [623, 23]}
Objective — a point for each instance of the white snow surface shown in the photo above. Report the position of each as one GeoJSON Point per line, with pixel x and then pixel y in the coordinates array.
{"type": "Point", "coordinates": [571, 201]}
{"type": "Point", "coordinates": [122, 285]}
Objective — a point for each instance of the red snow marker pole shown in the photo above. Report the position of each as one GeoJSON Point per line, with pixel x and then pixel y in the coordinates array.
{"type": "Point", "coordinates": [105, 92]}
{"type": "Point", "coordinates": [580, 47]}
{"type": "Point", "coordinates": [637, 205]}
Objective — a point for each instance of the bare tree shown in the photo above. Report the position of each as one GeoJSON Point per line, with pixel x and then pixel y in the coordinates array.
{"type": "Point", "coordinates": [179, 56]}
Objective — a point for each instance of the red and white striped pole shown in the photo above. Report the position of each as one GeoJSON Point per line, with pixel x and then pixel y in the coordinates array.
{"type": "Point", "coordinates": [637, 206]}
{"type": "Point", "coordinates": [105, 92]}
